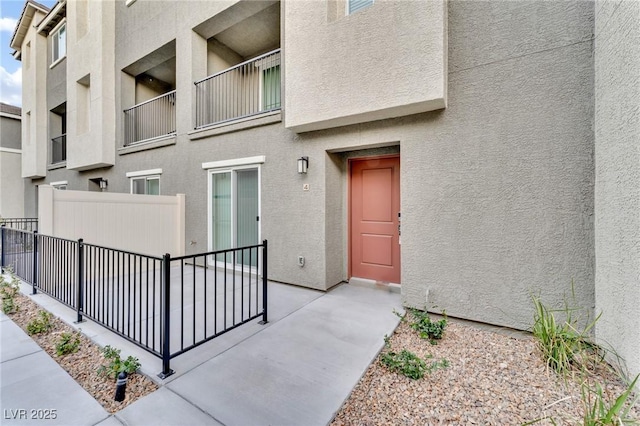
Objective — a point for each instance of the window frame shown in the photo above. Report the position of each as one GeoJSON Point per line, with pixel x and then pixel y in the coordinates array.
{"type": "Point", "coordinates": [55, 38]}
{"type": "Point", "coordinates": [147, 175]}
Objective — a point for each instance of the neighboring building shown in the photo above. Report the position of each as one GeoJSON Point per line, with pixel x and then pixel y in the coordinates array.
{"type": "Point", "coordinates": [474, 119]}
{"type": "Point", "coordinates": [11, 183]}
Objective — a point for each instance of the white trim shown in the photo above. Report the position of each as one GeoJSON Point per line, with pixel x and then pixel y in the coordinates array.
{"type": "Point", "coordinates": [8, 115]}
{"type": "Point", "coordinates": [129, 2]}
{"type": "Point", "coordinates": [58, 183]}
{"type": "Point", "coordinates": [11, 150]}
{"type": "Point", "coordinates": [259, 159]}
{"type": "Point", "coordinates": [144, 173]}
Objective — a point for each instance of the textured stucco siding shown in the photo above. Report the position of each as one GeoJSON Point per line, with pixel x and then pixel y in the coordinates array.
{"type": "Point", "coordinates": [90, 58]}
{"type": "Point", "coordinates": [34, 103]}
{"type": "Point", "coordinates": [393, 71]}
{"type": "Point", "coordinates": [10, 133]}
{"type": "Point", "coordinates": [496, 190]}
{"type": "Point", "coordinates": [617, 197]}
{"type": "Point", "coordinates": [497, 195]}
{"type": "Point", "coordinates": [11, 185]}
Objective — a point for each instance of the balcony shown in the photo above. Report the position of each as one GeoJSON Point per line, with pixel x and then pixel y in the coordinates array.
{"type": "Point", "coordinates": [247, 89]}
{"type": "Point", "coordinates": [58, 150]}
{"type": "Point", "coordinates": [152, 119]}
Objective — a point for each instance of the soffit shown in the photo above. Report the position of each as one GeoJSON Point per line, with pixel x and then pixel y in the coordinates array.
{"type": "Point", "coordinates": [28, 12]}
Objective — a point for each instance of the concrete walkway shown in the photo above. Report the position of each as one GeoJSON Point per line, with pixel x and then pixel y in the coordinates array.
{"type": "Point", "coordinates": [296, 370]}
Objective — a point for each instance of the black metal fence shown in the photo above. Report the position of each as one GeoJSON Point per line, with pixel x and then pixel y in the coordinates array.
{"type": "Point", "coordinates": [165, 305]}
{"type": "Point", "coordinates": [24, 223]}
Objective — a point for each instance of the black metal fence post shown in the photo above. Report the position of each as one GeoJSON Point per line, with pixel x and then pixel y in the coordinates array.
{"type": "Point", "coordinates": [34, 284]}
{"type": "Point", "coordinates": [264, 283]}
{"type": "Point", "coordinates": [166, 317]}
{"type": "Point", "coordinates": [3, 246]}
{"type": "Point", "coordinates": [80, 290]}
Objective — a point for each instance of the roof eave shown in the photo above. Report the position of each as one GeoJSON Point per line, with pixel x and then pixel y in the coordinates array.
{"type": "Point", "coordinates": [28, 12]}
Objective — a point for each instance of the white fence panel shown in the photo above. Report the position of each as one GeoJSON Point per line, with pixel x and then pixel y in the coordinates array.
{"type": "Point", "coordinates": [147, 224]}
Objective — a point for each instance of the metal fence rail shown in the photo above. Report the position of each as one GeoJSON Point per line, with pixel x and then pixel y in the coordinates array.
{"type": "Point", "coordinates": [165, 305]}
{"type": "Point", "coordinates": [19, 252]}
{"type": "Point", "coordinates": [57, 268]}
{"type": "Point", "coordinates": [249, 88]}
{"type": "Point", "coordinates": [217, 292]}
{"type": "Point", "coordinates": [121, 291]}
{"type": "Point", "coordinates": [150, 119]}
{"type": "Point", "coordinates": [23, 223]}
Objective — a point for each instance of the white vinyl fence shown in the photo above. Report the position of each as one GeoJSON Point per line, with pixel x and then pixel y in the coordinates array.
{"type": "Point", "coordinates": [147, 224]}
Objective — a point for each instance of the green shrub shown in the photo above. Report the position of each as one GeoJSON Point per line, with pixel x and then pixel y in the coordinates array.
{"type": "Point", "coordinates": [41, 324]}
{"type": "Point", "coordinates": [116, 364]}
{"type": "Point", "coordinates": [406, 363]}
{"type": "Point", "coordinates": [68, 343]}
{"type": "Point", "coordinates": [426, 328]}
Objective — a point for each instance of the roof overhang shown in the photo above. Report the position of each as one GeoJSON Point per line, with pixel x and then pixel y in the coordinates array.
{"type": "Point", "coordinates": [53, 18]}
{"type": "Point", "coordinates": [28, 12]}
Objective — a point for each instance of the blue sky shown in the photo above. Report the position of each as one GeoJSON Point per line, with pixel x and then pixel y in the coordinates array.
{"type": "Point", "coordinates": [10, 69]}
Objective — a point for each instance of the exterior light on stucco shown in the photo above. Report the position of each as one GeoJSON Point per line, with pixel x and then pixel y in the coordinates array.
{"type": "Point", "coordinates": [103, 184]}
{"type": "Point", "coordinates": [303, 165]}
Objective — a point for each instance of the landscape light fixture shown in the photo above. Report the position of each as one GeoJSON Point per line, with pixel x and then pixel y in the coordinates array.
{"type": "Point", "coordinates": [303, 165]}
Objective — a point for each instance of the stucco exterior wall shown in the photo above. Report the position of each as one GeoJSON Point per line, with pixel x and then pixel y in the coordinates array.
{"type": "Point", "coordinates": [10, 131]}
{"type": "Point", "coordinates": [617, 196]}
{"type": "Point", "coordinates": [11, 184]}
{"type": "Point", "coordinates": [496, 190]}
{"type": "Point", "coordinates": [90, 85]}
{"type": "Point", "coordinates": [34, 104]}
{"type": "Point", "coordinates": [393, 71]}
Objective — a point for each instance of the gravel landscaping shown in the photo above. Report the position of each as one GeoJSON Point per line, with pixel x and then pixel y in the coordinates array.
{"type": "Point", "coordinates": [83, 364]}
{"type": "Point", "coordinates": [491, 378]}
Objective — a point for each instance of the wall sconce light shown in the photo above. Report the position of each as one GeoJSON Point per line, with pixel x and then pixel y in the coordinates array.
{"type": "Point", "coordinates": [303, 165]}
{"type": "Point", "coordinates": [103, 184]}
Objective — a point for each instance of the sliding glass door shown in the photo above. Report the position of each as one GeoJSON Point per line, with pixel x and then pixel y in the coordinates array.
{"type": "Point", "coordinates": [235, 212]}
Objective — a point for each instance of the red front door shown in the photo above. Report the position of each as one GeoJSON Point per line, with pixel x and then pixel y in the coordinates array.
{"type": "Point", "coordinates": [375, 204]}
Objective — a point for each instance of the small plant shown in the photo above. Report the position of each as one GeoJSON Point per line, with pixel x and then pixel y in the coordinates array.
{"type": "Point", "coordinates": [406, 363]}
{"type": "Point", "coordinates": [562, 345]}
{"type": "Point", "coordinates": [68, 343]}
{"type": "Point", "coordinates": [41, 324]}
{"type": "Point", "coordinates": [8, 292]}
{"type": "Point", "coordinates": [116, 364]}
{"type": "Point", "coordinates": [426, 328]}
{"type": "Point", "coordinates": [598, 411]}
{"type": "Point", "coordinates": [437, 365]}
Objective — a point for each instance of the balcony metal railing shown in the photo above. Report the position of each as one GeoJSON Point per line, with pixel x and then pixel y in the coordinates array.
{"type": "Point", "coordinates": [150, 119]}
{"type": "Point", "coordinates": [59, 149]}
{"type": "Point", "coordinates": [247, 89]}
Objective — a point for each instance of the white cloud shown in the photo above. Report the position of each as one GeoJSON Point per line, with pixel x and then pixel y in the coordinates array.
{"type": "Point", "coordinates": [8, 24]}
{"type": "Point", "coordinates": [11, 87]}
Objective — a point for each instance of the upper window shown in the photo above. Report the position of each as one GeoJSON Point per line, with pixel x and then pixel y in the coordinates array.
{"type": "Point", "coordinates": [59, 43]}
{"type": "Point", "coordinates": [355, 5]}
